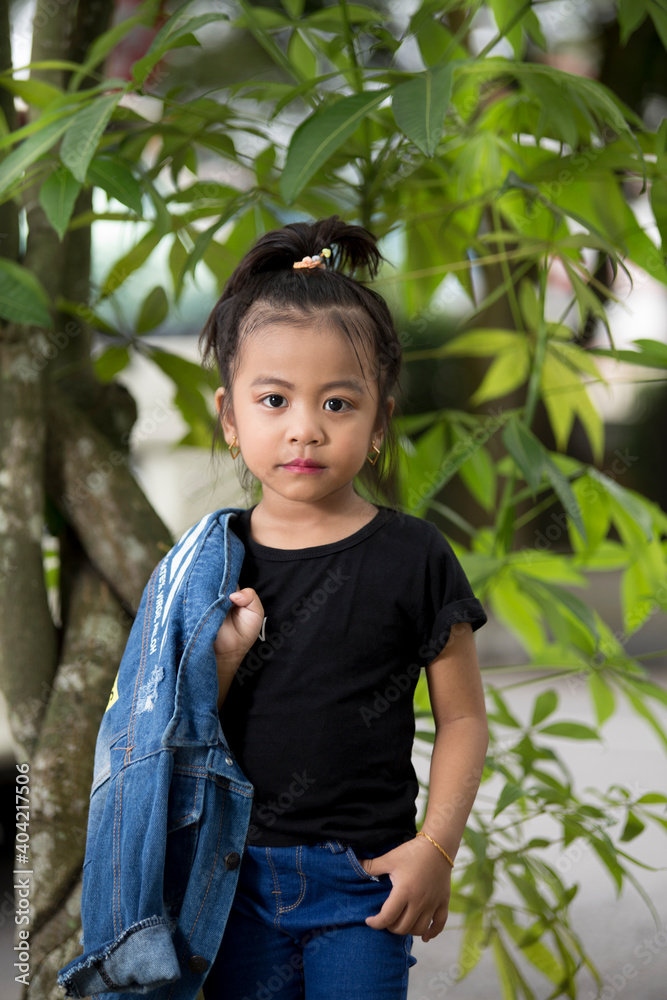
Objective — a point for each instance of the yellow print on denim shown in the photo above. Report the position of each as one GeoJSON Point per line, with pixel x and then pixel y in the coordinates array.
{"type": "Point", "coordinates": [113, 697]}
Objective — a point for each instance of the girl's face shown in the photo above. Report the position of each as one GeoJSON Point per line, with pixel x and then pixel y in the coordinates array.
{"type": "Point", "coordinates": [303, 414]}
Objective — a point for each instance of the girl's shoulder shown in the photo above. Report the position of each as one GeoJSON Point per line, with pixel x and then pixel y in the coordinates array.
{"type": "Point", "coordinates": [415, 533]}
{"type": "Point", "coordinates": [410, 525]}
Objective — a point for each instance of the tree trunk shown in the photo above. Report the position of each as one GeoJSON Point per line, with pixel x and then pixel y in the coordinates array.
{"type": "Point", "coordinates": [65, 464]}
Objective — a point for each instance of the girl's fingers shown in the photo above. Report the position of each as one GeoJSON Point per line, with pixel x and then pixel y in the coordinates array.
{"type": "Point", "coordinates": [391, 913]}
{"type": "Point", "coordinates": [245, 598]}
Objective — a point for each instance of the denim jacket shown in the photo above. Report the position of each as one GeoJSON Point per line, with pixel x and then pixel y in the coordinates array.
{"type": "Point", "coordinates": [169, 807]}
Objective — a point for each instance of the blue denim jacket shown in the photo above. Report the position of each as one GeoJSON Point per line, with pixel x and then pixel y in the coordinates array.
{"type": "Point", "coordinates": [169, 806]}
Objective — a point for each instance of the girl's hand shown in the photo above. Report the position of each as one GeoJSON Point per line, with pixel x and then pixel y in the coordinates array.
{"type": "Point", "coordinates": [418, 903]}
{"type": "Point", "coordinates": [236, 635]}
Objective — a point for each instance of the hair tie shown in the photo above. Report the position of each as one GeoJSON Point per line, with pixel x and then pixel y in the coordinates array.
{"type": "Point", "coordinates": [317, 260]}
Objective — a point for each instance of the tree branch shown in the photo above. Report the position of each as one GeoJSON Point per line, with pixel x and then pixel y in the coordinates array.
{"type": "Point", "coordinates": [91, 484]}
{"type": "Point", "coordinates": [62, 768]}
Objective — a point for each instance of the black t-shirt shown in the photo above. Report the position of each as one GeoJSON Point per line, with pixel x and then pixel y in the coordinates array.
{"type": "Point", "coordinates": [320, 714]}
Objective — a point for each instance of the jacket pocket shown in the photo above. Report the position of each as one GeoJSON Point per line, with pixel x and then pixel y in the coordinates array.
{"type": "Point", "coordinates": [186, 802]}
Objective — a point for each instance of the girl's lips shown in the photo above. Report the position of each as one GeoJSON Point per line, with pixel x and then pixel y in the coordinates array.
{"type": "Point", "coordinates": [303, 465]}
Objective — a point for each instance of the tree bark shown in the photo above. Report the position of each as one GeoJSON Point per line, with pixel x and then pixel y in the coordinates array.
{"type": "Point", "coordinates": [91, 484]}
{"type": "Point", "coordinates": [62, 765]}
{"type": "Point", "coordinates": [28, 651]}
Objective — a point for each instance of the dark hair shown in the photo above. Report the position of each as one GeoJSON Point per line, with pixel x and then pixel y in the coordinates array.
{"type": "Point", "coordinates": [265, 287]}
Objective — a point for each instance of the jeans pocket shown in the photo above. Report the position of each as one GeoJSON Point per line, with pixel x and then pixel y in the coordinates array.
{"type": "Point", "coordinates": [357, 866]}
{"type": "Point", "coordinates": [408, 950]}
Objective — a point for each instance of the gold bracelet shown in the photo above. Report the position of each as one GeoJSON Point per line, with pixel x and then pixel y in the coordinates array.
{"type": "Point", "coordinates": [441, 849]}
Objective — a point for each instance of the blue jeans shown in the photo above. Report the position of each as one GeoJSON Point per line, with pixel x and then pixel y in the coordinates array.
{"type": "Point", "coordinates": [296, 929]}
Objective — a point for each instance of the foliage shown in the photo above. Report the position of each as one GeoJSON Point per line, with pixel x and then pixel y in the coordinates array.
{"type": "Point", "coordinates": [484, 165]}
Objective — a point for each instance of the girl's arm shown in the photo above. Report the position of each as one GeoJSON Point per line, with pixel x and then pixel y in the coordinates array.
{"type": "Point", "coordinates": [461, 740]}
{"type": "Point", "coordinates": [421, 877]}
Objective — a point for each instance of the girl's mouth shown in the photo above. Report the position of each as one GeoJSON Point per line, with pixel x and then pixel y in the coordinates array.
{"type": "Point", "coordinates": [306, 465]}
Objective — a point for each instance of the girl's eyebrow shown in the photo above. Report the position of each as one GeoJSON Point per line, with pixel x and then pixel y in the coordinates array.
{"type": "Point", "coordinates": [350, 384]}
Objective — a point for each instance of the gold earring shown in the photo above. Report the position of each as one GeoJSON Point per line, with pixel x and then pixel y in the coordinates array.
{"type": "Point", "coordinates": [375, 457]}
{"type": "Point", "coordinates": [232, 446]}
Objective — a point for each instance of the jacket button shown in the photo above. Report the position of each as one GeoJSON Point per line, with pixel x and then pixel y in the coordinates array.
{"type": "Point", "coordinates": [232, 861]}
{"type": "Point", "coordinates": [197, 963]}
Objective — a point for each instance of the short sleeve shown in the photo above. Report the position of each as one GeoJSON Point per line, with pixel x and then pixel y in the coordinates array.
{"type": "Point", "coordinates": [447, 597]}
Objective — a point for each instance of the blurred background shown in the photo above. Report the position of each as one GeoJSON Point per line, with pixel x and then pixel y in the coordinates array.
{"type": "Point", "coordinates": [182, 478]}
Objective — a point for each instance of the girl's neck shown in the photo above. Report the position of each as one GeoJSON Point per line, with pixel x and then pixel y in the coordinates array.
{"type": "Point", "coordinates": [290, 525]}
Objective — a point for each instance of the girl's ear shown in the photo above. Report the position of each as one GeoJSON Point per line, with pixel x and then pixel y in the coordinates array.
{"type": "Point", "coordinates": [226, 415]}
{"type": "Point", "coordinates": [379, 430]}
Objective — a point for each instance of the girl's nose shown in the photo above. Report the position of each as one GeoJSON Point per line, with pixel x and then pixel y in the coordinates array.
{"type": "Point", "coordinates": [305, 428]}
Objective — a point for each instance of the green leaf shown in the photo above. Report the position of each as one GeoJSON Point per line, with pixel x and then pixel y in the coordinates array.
{"type": "Point", "coordinates": [631, 503]}
{"type": "Point", "coordinates": [190, 380]}
{"type": "Point", "coordinates": [555, 595]}
{"type": "Point", "coordinates": [528, 453]}
{"type": "Point", "coordinates": [471, 944]}
{"type": "Point", "coordinates": [513, 17]}
{"type": "Point", "coordinates": [631, 14]}
{"type": "Point", "coordinates": [479, 475]}
{"type": "Point", "coordinates": [420, 107]}
{"type": "Point", "coordinates": [433, 39]}
{"type": "Point", "coordinates": [652, 354]}
{"type": "Point", "coordinates": [563, 490]}
{"type": "Point", "coordinates": [507, 372]}
{"type": "Point", "coordinates": [653, 798]}
{"type": "Point", "coordinates": [294, 7]}
{"type": "Point", "coordinates": [509, 976]}
{"type": "Point", "coordinates": [57, 196]}
{"type": "Point", "coordinates": [320, 135]}
{"type": "Point", "coordinates": [658, 15]}
{"type": "Point", "coordinates": [545, 704]}
{"type": "Point", "coordinates": [572, 730]}
{"type": "Point", "coordinates": [117, 180]}
{"type": "Point", "coordinates": [576, 358]}
{"type": "Point", "coordinates": [331, 18]}
{"type": "Point", "coordinates": [565, 397]}
{"type": "Point", "coordinates": [480, 343]}
{"type": "Point", "coordinates": [638, 599]}
{"type": "Point", "coordinates": [300, 54]}
{"type": "Point", "coordinates": [22, 297]}
{"type": "Point", "coordinates": [530, 306]}
{"type": "Point", "coordinates": [633, 827]}
{"type": "Point", "coordinates": [110, 362]}
{"type": "Point", "coordinates": [176, 31]}
{"type": "Point", "coordinates": [84, 133]}
{"type": "Point", "coordinates": [34, 92]}
{"type": "Point", "coordinates": [514, 607]}
{"type": "Point", "coordinates": [426, 735]}
{"type": "Point", "coordinates": [154, 310]}
{"type": "Point", "coordinates": [659, 206]}
{"type": "Point", "coordinates": [509, 794]}
{"type": "Point", "coordinates": [130, 262]}
{"type": "Point", "coordinates": [502, 712]}
{"type": "Point", "coordinates": [18, 161]}
{"type": "Point", "coordinates": [603, 697]}
{"type": "Point", "coordinates": [654, 351]}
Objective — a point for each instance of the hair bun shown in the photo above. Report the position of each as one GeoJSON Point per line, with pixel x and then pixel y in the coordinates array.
{"type": "Point", "coordinates": [352, 248]}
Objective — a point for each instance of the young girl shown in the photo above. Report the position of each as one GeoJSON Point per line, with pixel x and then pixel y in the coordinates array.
{"type": "Point", "coordinates": [340, 604]}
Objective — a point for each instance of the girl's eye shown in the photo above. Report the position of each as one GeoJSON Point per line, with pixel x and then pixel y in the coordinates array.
{"type": "Point", "coordinates": [336, 405]}
{"type": "Point", "coordinates": [274, 401]}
